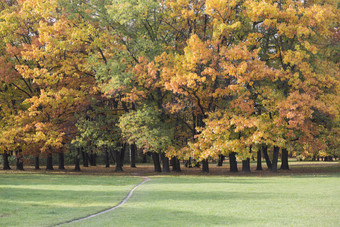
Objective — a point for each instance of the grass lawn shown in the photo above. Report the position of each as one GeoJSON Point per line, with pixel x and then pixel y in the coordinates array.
{"type": "Point", "coordinates": [43, 200]}
{"type": "Point", "coordinates": [182, 200]}
{"type": "Point", "coordinates": [238, 201]}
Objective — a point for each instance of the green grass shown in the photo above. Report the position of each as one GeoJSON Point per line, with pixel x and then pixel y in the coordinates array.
{"type": "Point", "coordinates": [47, 199]}
{"type": "Point", "coordinates": [237, 201]}
{"type": "Point", "coordinates": [42, 200]}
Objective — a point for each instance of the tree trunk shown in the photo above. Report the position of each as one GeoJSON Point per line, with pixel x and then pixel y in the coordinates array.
{"type": "Point", "coordinates": [220, 160]}
{"type": "Point", "coordinates": [119, 166]}
{"type": "Point", "coordinates": [246, 165]}
{"type": "Point", "coordinates": [6, 162]}
{"type": "Point", "coordinates": [61, 160]}
{"type": "Point", "coordinates": [173, 164]}
{"type": "Point", "coordinates": [176, 165]}
{"type": "Point", "coordinates": [205, 166]}
{"type": "Point", "coordinates": [275, 158]}
{"type": "Point", "coordinates": [49, 162]}
{"type": "Point", "coordinates": [259, 160]}
{"type": "Point", "coordinates": [93, 159]}
{"type": "Point", "coordinates": [37, 163]}
{"type": "Point", "coordinates": [90, 158]}
{"type": "Point", "coordinates": [284, 163]}
{"type": "Point", "coordinates": [328, 159]}
{"type": "Point", "coordinates": [165, 163]}
{"type": "Point", "coordinates": [188, 163]}
{"type": "Point", "coordinates": [85, 158]}
{"type": "Point", "coordinates": [144, 159]}
{"type": "Point", "coordinates": [122, 154]}
{"type": "Point", "coordinates": [77, 160]}
{"type": "Point", "coordinates": [112, 155]}
{"type": "Point", "coordinates": [157, 165]}
{"type": "Point", "coordinates": [20, 161]}
{"type": "Point", "coordinates": [233, 162]}
{"type": "Point", "coordinates": [133, 150]}
{"type": "Point", "coordinates": [266, 156]}
{"type": "Point", "coordinates": [107, 159]}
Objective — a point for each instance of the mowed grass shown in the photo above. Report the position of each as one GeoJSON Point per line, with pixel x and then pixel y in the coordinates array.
{"type": "Point", "coordinates": [49, 199]}
{"type": "Point", "coordinates": [235, 201]}
{"type": "Point", "coordinates": [44, 200]}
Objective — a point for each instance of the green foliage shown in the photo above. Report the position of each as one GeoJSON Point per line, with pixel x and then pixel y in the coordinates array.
{"type": "Point", "coordinates": [145, 128]}
{"type": "Point", "coordinates": [269, 69]}
{"type": "Point", "coordinates": [97, 128]}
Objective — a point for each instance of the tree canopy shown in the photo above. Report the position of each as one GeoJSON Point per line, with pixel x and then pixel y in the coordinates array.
{"type": "Point", "coordinates": [183, 78]}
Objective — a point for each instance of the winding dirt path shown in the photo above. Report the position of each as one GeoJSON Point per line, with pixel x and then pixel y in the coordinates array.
{"type": "Point", "coordinates": [146, 179]}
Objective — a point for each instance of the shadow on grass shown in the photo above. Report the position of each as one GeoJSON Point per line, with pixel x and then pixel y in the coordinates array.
{"type": "Point", "coordinates": [55, 197]}
{"type": "Point", "coordinates": [209, 180]}
{"type": "Point", "coordinates": [209, 196]}
{"type": "Point", "coordinates": [317, 174]}
{"type": "Point", "coordinates": [156, 216]}
{"type": "Point", "coordinates": [45, 179]}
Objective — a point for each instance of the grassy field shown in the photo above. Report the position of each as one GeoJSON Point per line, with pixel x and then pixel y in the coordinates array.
{"type": "Point", "coordinates": [43, 200]}
{"type": "Point", "coordinates": [304, 199]}
{"type": "Point", "coordinates": [236, 201]}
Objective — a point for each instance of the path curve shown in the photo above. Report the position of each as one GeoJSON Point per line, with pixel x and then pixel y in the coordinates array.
{"type": "Point", "coordinates": [146, 179]}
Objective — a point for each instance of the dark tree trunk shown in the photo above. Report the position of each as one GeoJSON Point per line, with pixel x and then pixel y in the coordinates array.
{"type": "Point", "coordinates": [133, 150]}
{"type": "Point", "coordinates": [107, 159]}
{"type": "Point", "coordinates": [275, 158]}
{"type": "Point", "coordinates": [85, 158]}
{"type": "Point", "coordinates": [205, 166]}
{"type": "Point", "coordinates": [49, 162]}
{"type": "Point", "coordinates": [6, 162]}
{"type": "Point", "coordinates": [37, 163]}
{"type": "Point", "coordinates": [284, 163]}
{"type": "Point", "coordinates": [165, 163]}
{"type": "Point", "coordinates": [220, 160]}
{"type": "Point", "coordinates": [246, 165]}
{"type": "Point", "coordinates": [188, 163]}
{"type": "Point", "coordinates": [112, 155]}
{"type": "Point", "coordinates": [122, 154]}
{"type": "Point", "coordinates": [93, 159]}
{"type": "Point", "coordinates": [90, 158]}
{"type": "Point", "coordinates": [266, 156]}
{"type": "Point", "coordinates": [172, 162]}
{"type": "Point", "coordinates": [328, 159]}
{"type": "Point", "coordinates": [144, 159]}
{"type": "Point", "coordinates": [20, 161]}
{"type": "Point", "coordinates": [61, 160]}
{"type": "Point", "coordinates": [259, 160]}
{"type": "Point", "coordinates": [19, 164]}
{"type": "Point", "coordinates": [176, 165]}
{"type": "Point", "coordinates": [156, 163]}
{"type": "Point", "coordinates": [119, 165]}
{"type": "Point", "coordinates": [233, 162]}
{"type": "Point", "coordinates": [77, 160]}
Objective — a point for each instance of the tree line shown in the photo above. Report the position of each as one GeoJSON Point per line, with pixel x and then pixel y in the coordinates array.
{"type": "Point", "coordinates": [190, 80]}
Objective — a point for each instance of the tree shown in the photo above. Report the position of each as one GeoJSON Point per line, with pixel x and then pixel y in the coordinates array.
{"type": "Point", "coordinates": [144, 128]}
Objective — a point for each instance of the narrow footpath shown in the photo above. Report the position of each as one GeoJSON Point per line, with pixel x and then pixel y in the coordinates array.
{"type": "Point", "coordinates": [110, 209]}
